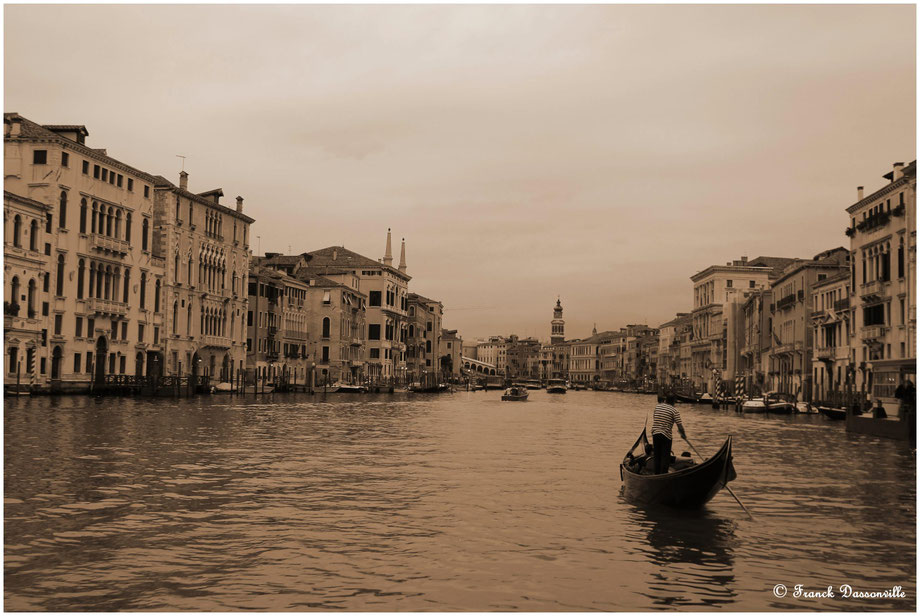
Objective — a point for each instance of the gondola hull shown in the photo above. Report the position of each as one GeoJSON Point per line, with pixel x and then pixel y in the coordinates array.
{"type": "Point", "coordinates": [689, 488]}
{"type": "Point", "coordinates": [832, 413]}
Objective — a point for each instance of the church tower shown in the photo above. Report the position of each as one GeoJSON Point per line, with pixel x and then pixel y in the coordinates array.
{"type": "Point", "coordinates": [558, 331]}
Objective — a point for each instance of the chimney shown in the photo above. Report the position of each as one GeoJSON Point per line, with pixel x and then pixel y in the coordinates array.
{"type": "Point", "coordinates": [859, 193]}
{"type": "Point", "coordinates": [15, 126]}
{"type": "Point", "coordinates": [402, 257]}
{"type": "Point", "coordinates": [898, 172]}
{"type": "Point", "coordinates": [388, 257]}
{"type": "Point", "coordinates": [239, 205]}
{"type": "Point", "coordinates": [335, 254]}
{"type": "Point", "coordinates": [183, 180]}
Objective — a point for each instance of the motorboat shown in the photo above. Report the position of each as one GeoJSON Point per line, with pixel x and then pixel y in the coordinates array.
{"type": "Point", "coordinates": [349, 388]}
{"type": "Point", "coordinates": [805, 408]}
{"type": "Point", "coordinates": [779, 403]}
{"type": "Point", "coordinates": [556, 386]}
{"type": "Point", "coordinates": [515, 393]}
{"type": "Point", "coordinates": [833, 413]}
{"type": "Point", "coordinates": [222, 388]}
{"type": "Point", "coordinates": [754, 405]}
{"type": "Point", "coordinates": [533, 384]}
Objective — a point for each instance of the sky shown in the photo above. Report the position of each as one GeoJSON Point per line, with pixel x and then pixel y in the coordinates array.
{"type": "Point", "coordinates": [602, 154]}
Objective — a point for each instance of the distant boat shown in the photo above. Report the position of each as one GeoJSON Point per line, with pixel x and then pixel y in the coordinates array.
{"type": "Point", "coordinates": [556, 386]}
{"type": "Point", "coordinates": [754, 405]}
{"type": "Point", "coordinates": [222, 388]}
{"type": "Point", "coordinates": [832, 413]}
{"type": "Point", "coordinates": [688, 398]}
{"type": "Point", "coordinates": [515, 393]}
{"type": "Point", "coordinates": [259, 389]}
{"type": "Point", "coordinates": [779, 403]}
{"type": "Point", "coordinates": [351, 389]}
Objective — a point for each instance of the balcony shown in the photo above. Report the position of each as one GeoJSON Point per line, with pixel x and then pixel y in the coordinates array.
{"type": "Point", "coordinates": [786, 302]}
{"type": "Point", "coordinates": [872, 289]}
{"type": "Point", "coordinates": [873, 332]}
{"type": "Point", "coordinates": [106, 306]}
{"type": "Point", "coordinates": [842, 304]}
{"type": "Point", "coordinates": [826, 353]}
{"type": "Point", "coordinates": [876, 221]}
{"type": "Point", "coordinates": [818, 314]}
{"type": "Point", "coordinates": [292, 334]}
{"type": "Point", "coordinates": [272, 332]}
{"type": "Point", "coordinates": [110, 245]}
{"type": "Point", "coordinates": [219, 342]}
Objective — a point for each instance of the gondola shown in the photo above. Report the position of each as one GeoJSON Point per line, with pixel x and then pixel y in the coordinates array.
{"type": "Point", "coordinates": [687, 399]}
{"type": "Point", "coordinates": [688, 488]}
{"type": "Point", "coordinates": [832, 413]}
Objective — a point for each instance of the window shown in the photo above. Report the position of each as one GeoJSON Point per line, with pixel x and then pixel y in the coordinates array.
{"type": "Point", "coordinates": [78, 329]}
{"type": "Point", "coordinates": [33, 235]}
{"type": "Point", "coordinates": [121, 363]}
{"type": "Point", "coordinates": [105, 174]}
{"type": "Point", "coordinates": [156, 296]}
{"type": "Point", "coordinates": [146, 191]}
{"type": "Point", "coordinates": [130, 185]}
{"type": "Point", "coordinates": [85, 167]}
{"type": "Point", "coordinates": [374, 298]}
{"type": "Point", "coordinates": [327, 299]}
{"type": "Point", "coordinates": [143, 289]}
{"type": "Point", "coordinates": [429, 326]}
{"type": "Point", "coordinates": [874, 315]}
{"type": "Point", "coordinates": [40, 157]}
{"type": "Point", "coordinates": [80, 277]}
{"type": "Point", "coordinates": [59, 290]}
{"type": "Point", "coordinates": [76, 361]}
{"type": "Point", "coordinates": [728, 283]}
{"type": "Point", "coordinates": [375, 354]}
{"type": "Point", "coordinates": [90, 328]}
{"type": "Point", "coordinates": [326, 324]}
{"type": "Point", "coordinates": [65, 162]}
{"type": "Point", "coordinates": [140, 332]}
{"type": "Point", "coordinates": [373, 331]}
{"type": "Point", "coordinates": [325, 355]}
{"type": "Point", "coordinates": [96, 171]}
{"type": "Point", "coordinates": [120, 178]}
{"type": "Point", "coordinates": [13, 352]}
{"type": "Point", "coordinates": [62, 216]}
{"type": "Point", "coordinates": [82, 215]}
{"type": "Point", "coordinates": [144, 232]}
{"type": "Point", "coordinates": [156, 335]}
{"type": "Point", "coordinates": [128, 227]}
{"type": "Point", "coordinates": [58, 324]}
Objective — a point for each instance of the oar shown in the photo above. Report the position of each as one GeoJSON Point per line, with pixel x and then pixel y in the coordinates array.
{"type": "Point", "coordinates": [725, 485]}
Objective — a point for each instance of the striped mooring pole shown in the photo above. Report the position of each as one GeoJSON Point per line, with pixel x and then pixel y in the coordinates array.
{"type": "Point", "coordinates": [32, 371]}
{"type": "Point", "coordinates": [739, 386]}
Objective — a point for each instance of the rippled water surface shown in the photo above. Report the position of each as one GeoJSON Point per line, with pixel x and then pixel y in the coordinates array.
{"type": "Point", "coordinates": [457, 502]}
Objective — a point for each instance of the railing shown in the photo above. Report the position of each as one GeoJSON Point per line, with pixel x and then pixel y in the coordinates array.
{"type": "Point", "coordinates": [293, 334]}
{"type": "Point", "coordinates": [873, 332]}
{"type": "Point", "coordinates": [873, 222]}
{"type": "Point", "coordinates": [785, 302]}
{"type": "Point", "coordinates": [272, 332]}
{"type": "Point", "coordinates": [106, 306]}
{"type": "Point", "coordinates": [825, 352]}
{"type": "Point", "coordinates": [110, 244]}
{"type": "Point", "coordinates": [842, 304]}
{"type": "Point", "coordinates": [817, 314]}
{"type": "Point", "coordinates": [216, 341]}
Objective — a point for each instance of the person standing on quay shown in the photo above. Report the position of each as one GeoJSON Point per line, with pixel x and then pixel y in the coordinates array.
{"type": "Point", "coordinates": [664, 417]}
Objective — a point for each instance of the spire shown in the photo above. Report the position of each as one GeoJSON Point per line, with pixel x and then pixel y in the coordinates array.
{"type": "Point", "coordinates": [402, 257]}
{"type": "Point", "coordinates": [388, 257]}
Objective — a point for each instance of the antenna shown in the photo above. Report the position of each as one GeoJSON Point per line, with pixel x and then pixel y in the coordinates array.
{"type": "Point", "coordinates": [183, 160]}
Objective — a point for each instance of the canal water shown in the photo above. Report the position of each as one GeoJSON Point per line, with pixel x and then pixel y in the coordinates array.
{"type": "Point", "coordinates": [435, 503]}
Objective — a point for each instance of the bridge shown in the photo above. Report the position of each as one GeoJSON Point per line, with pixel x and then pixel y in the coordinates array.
{"type": "Point", "coordinates": [474, 366]}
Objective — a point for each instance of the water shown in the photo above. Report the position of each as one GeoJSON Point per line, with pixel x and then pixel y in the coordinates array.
{"type": "Point", "coordinates": [457, 502]}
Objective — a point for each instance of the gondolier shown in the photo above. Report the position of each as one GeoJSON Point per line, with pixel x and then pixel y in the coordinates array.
{"type": "Point", "coordinates": [663, 419]}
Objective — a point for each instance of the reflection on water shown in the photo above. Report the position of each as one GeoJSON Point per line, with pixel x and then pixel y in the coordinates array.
{"type": "Point", "coordinates": [457, 502]}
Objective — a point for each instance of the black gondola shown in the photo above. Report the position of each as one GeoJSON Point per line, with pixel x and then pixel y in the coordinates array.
{"type": "Point", "coordinates": [687, 488]}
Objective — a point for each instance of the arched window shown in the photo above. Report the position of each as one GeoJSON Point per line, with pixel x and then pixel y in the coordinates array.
{"type": "Point", "coordinates": [189, 272]}
{"type": "Point", "coordinates": [118, 224]}
{"type": "Point", "coordinates": [144, 231]}
{"type": "Point", "coordinates": [92, 279]}
{"type": "Point", "coordinates": [14, 291]}
{"type": "Point", "coordinates": [108, 222]}
{"type": "Point", "coordinates": [82, 215]}
{"type": "Point", "coordinates": [33, 235]}
{"type": "Point", "coordinates": [127, 285]}
{"type": "Point", "coordinates": [176, 266]}
{"type": "Point", "coordinates": [80, 274]}
{"type": "Point", "coordinates": [326, 324]}
{"type": "Point", "coordinates": [188, 320]}
{"type": "Point", "coordinates": [107, 292]}
{"type": "Point", "coordinates": [30, 301]}
{"type": "Point", "coordinates": [156, 296]}
{"type": "Point", "coordinates": [60, 276]}
{"type": "Point", "coordinates": [175, 317]}
{"type": "Point", "coordinates": [62, 215]}
{"type": "Point", "coordinates": [189, 211]}
{"type": "Point", "coordinates": [428, 346]}
{"type": "Point", "coordinates": [17, 231]}
{"type": "Point", "coordinates": [143, 289]}
{"type": "Point", "coordinates": [93, 216]}
{"type": "Point", "coordinates": [128, 227]}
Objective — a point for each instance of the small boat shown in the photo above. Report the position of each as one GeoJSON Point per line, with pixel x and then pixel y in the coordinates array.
{"type": "Point", "coordinates": [515, 393]}
{"type": "Point", "coordinates": [351, 389]}
{"type": "Point", "coordinates": [686, 398]}
{"type": "Point", "coordinates": [705, 398]}
{"type": "Point", "coordinates": [259, 389]}
{"type": "Point", "coordinates": [832, 413]}
{"type": "Point", "coordinates": [556, 386]}
{"type": "Point", "coordinates": [779, 403]}
{"type": "Point", "coordinates": [754, 405]}
{"type": "Point", "coordinates": [533, 384]}
{"type": "Point", "coordinates": [805, 408]}
{"type": "Point", "coordinates": [222, 388]}
{"type": "Point", "coordinates": [687, 488]}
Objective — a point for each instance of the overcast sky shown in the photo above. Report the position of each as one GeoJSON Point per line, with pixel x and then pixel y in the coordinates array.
{"type": "Point", "coordinates": [600, 153]}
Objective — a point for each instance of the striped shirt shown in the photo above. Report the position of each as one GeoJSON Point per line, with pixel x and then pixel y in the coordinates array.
{"type": "Point", "coordinates": [665, 416]}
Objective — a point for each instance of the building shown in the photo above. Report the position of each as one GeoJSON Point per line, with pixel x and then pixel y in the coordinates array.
{"type": "Point", "coordinates": [523, 357]}
{"type": "Point", "coordinates": [557, 325]}
{"type": "Point", "coordinates": [276, 342]}
{"type": "Point", "coordinates": [668, 364]}
{"type": "Point", "coordinates": [102, 301]}
{"type": "Point", "coordinates": [337, 329]}
{"type": "Point", "coordinates": [713, 288]}
{"type": "Point", "coordinates": [26, 290]}
{"type": "Point", "coordinates": [205, 246]}
{"type": "Point", "coordinates": [792, 326]}
{"type": "Point", "coordinates": [494, 352]}
{"type": "Point", "coordinates": [882, 231]}
{"type": "Point", "coordinates": [450, 355]}
{"type": "Point", "coordinates": [830, 365]}
{"type": "Point", "coordinates": [424, 340]}
{"type": "Point", "coordinates": [756, 343]}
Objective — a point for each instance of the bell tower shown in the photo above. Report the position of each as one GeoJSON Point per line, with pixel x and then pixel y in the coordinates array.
{"type": "Point", "coordinates": [558, 330]}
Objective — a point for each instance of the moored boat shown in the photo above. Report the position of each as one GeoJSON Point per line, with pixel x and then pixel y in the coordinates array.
{"type": "Point", "coordinates": [515, 393]}
{"type": "Point", "coordinates": [222, 388]}
{"type": "Point", "coordinates": [779, 403]}
{"type": "Point", "coordinates": [687, 488]}
{"type": "Point", "coordinates": [556, 386]}
{"type": "Point", "coordinates": [754, 405]}
{"type": "Point", "coordinates": [351, 389]}
{"type": "Point", "coordinates": [832, 413]}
